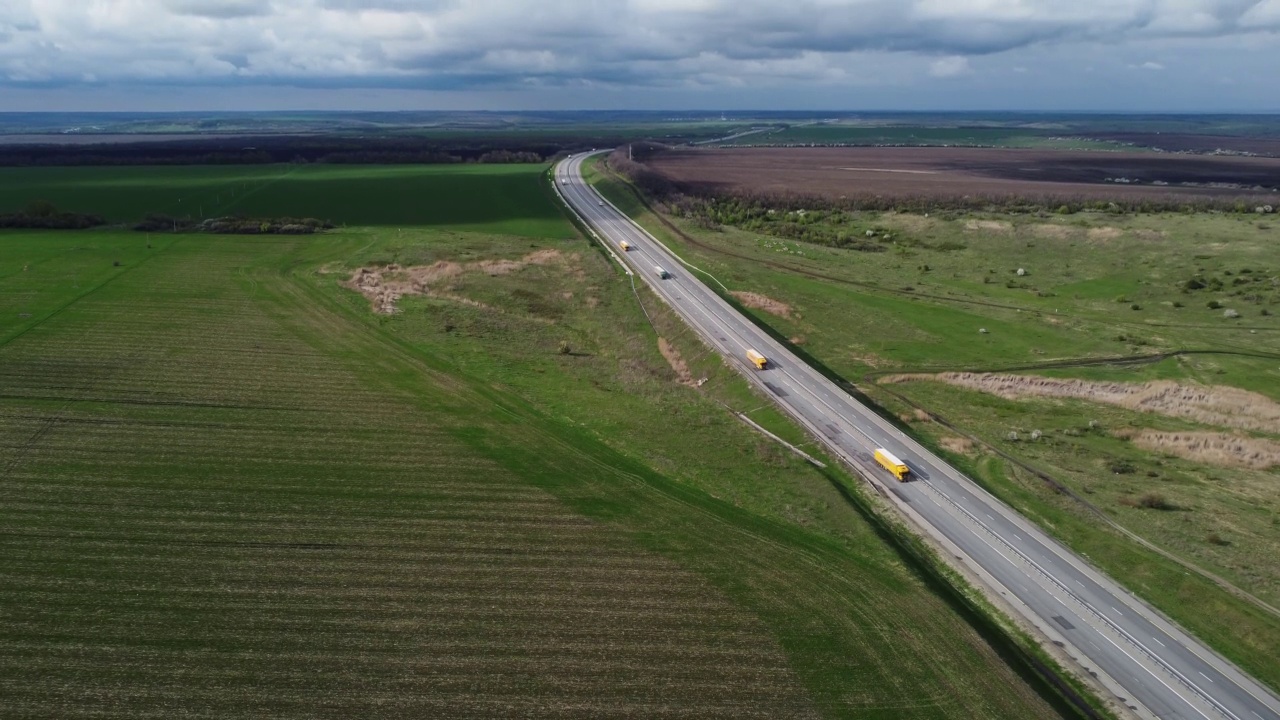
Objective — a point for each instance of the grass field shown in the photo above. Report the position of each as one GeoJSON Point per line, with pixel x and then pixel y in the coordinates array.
{"type": "Point", "coordinates": [495, 198]}
{"type": "Point", "coordinates": [946, 294]}
{"type": "Point", "coordinates": [232, 490]}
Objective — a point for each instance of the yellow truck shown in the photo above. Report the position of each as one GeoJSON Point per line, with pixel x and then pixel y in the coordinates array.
{"type": "Point", "coordinates": [759, 360]}
{"type": "Point", "coordinates": [890, 462]}
{"type": "Point", "coordinates": [626, 246]}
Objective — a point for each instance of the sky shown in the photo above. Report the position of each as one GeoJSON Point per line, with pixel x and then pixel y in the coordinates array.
{"type": "Point", "coordinates": [1059, 55]}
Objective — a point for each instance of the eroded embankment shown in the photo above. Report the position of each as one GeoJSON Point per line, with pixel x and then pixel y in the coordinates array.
{"type": "Point", "coordinates": [386, 284]}
{"type": "Point", "coordinates": [1208, 447]}
{"type": "Point", "coordinates": [756, 301]}
{"type": "Point", "coordinates": [1209, 404]}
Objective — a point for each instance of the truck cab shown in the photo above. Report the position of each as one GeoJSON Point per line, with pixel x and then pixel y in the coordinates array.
{"type": "Point", "coordinates": [626, 246]}
{"type": "Point", "coordinates": [760, 361]}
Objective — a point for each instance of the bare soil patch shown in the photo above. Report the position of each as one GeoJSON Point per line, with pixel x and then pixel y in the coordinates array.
{"type": "Point", "coordinates": [966, 172]}
{"type": "Point", "coordinates": [676, 362]}
{"type": "Point", "coordinates": [996, 226]}
{"type": "Point", "coordinates": [955, 444]}
{"type": "Point", "coordinates": [757, 301]}
{"type": "Point", "coordinates": [1054, 232]}
{"type": "Point", "coordinates": [384, 285]}
{"type": "Point", "coordinates": [1209, 404]}
{"type": "Point", "coordinates": [1103, 234]}
{"type": "Point", "coordinates": [1211, 448]}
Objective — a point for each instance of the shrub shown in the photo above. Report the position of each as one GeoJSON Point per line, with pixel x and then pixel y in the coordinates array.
{"type": "Point", "coordinates": [1213, 305]}
{"type": "Point", "coordinates": [1121, 467]}
{"type": "Point", "coordinates": [1155, 501]}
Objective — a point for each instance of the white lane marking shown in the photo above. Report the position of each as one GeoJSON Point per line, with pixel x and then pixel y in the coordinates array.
{"type": "Point", "coordinates": [1158, 641]}
{"type": "Point", "coordinates": [1206, 677]}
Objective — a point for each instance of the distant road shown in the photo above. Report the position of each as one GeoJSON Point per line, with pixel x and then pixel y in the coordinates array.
{"type": "Point", "coordinates": [1152, 666]}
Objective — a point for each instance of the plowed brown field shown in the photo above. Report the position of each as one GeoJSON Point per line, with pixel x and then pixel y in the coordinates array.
{"type": "Point", "coordinates": [956, 172]}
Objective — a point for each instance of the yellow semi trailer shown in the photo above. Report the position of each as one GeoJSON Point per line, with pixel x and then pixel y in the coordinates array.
{"type": "Point", "coordinates": [890, 462]}
{"type": "Point", "coordinates": [759, 360]}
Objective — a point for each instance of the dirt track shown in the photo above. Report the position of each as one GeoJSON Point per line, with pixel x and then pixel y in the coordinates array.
{"type": "Point", "coordinates": [955, 172]}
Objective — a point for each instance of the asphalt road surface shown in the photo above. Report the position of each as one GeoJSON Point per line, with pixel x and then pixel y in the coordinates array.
{"type": "Point", "coordinates": [1151, 665]}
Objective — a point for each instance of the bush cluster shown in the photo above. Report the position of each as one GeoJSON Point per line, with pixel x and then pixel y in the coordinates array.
{"type": "Point", "coordinates": [43, 215]}
{"type": "Point", "coordinates": [234, 225]}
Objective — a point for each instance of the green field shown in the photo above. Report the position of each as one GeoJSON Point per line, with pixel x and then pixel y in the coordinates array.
{"type": "Point", "coordinates": [945, 295]}
{"type": "Point", "coordinates": [232, 490]}
{"type": "Point", "coordinates": [496, 198]}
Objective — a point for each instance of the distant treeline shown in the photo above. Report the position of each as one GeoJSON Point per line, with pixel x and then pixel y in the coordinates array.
{"type": "Point", "coordinates": [156, 222]}
{"type": "Point", "coordinates": [42, 215]}
{"type": "Point", "coordinates": [296, 149]}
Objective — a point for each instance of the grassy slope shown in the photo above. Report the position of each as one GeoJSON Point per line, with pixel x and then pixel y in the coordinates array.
{"type": "Point", "coordinates": [1075, 301]}
{"type": "Point", "coordinates": [232, 491]}
{"type": "Point", "coordinates": [496, 197]}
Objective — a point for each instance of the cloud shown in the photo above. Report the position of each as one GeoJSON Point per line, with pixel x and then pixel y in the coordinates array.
{"type": "Point", "coordinates": [217, 9]}
{"type": "Point", "coordinates": [947, 67]}
{"type": "Point", "coordinates": [1151, 65]}
{"type": "Point", "coordinates": [580, 43]}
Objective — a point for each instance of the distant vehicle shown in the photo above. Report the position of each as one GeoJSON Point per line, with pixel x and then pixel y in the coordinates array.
{"type": "Point", "coordinates": [757, 359]}
{"type": "Point", "coordinates": [626, 246]}
{"type": "Point", "coordinates": [890, 462]}
{"type": "Point", "coordinates": [601, 203]}
{"type": "Point", "coordinates": [662, 273]}
{"type": "Point", "coordinates": [564, 181]}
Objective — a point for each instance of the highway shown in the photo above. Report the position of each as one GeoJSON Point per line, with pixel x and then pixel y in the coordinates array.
{"type": "Point", "coordinates": [1153, 667]}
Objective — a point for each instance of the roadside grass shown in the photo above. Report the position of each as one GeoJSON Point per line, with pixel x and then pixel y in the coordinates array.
{"type": "Point", "coordinates": [231, 489]}
{"type": "Point", "coordinates": [489, 198]}
{"type": "Point", "coordinates": [922, 304]}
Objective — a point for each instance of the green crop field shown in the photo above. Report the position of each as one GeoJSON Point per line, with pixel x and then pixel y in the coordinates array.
{"type": "Point", "coordinates": [231, 489]}
{"type": "Point", "coordinates": [497, 198]}
{"type": "Point", "coordinates": [945, 294]}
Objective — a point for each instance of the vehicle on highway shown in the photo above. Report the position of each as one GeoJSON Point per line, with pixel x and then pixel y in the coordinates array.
{"type": "Point", "coordinates": [626, 246]}
{"type": "Point", "coordinates": [757, 359]}
{"type": "Point", "coordinates": [601, 203]}
{"type": "Point", "coordinates": [564, 181]}
{"type": "Point", "coordinates": [662, 273]}
{"type": "Point", "coordinates": [890, 462]}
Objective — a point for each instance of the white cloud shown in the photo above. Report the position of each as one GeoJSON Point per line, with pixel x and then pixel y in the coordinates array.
{"type": "Point", "coordinates": [1151, 65]}
{"type": "Point", "coordinates": [948, 67]}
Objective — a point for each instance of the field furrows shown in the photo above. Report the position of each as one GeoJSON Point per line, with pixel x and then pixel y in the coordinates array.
{"type": "Point", "coordinates": [205, 516]}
